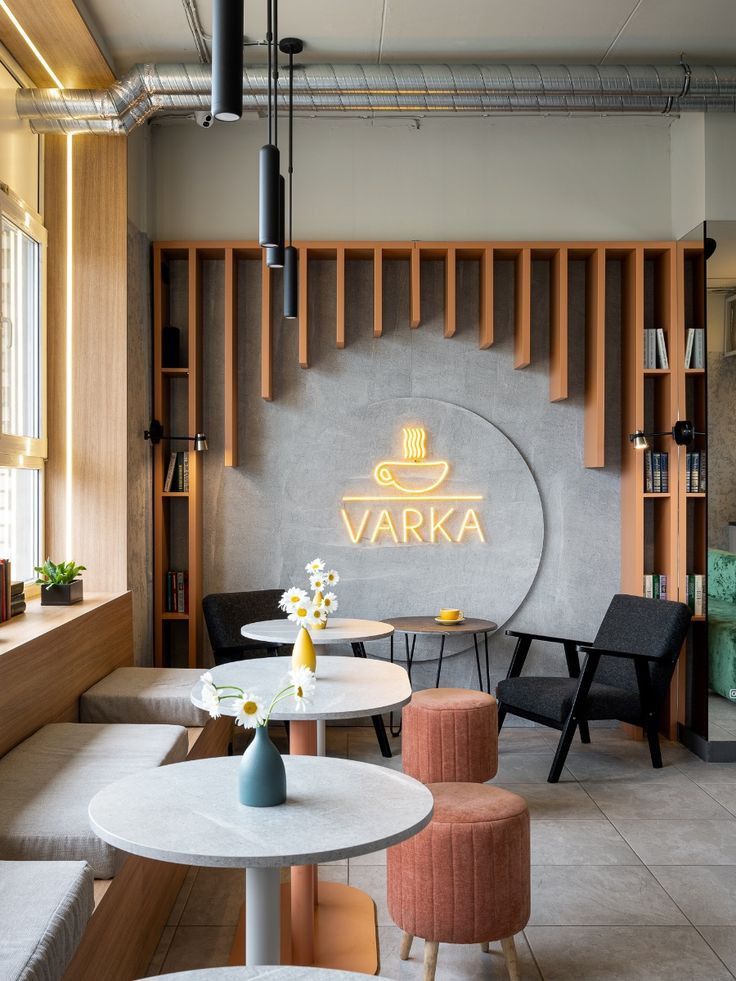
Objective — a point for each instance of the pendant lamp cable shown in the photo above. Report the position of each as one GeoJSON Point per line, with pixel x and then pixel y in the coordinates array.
{"type": "Point", "coordinates": [269, 39]}
{"type": "Point", "coordinates": [275, 72]}
{"type": "Point", "coordinates": [291, 145]}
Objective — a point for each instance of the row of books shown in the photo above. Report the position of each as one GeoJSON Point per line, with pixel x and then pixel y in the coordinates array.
{"type": "Point", "coordinates": [177, 592]}
{"type": "Point", "coordinates": [696, 594]}
{"type": "Point", "coordinates": [177, 475]}
{"type": "Point", "coordinates": [656, 472]}
{"type": "Point", "coordinates": [12, 595]}
{"type": "Point", "coordinates": [695, 472]}
{"type": "Point", "coordinates": [655, 587]}
{"type": "Point", "coordinates": [695, 348]}
{"type": "Point", "coordinates": [655, 349]}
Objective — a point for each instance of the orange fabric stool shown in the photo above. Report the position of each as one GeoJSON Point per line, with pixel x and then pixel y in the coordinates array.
{"type": "Point", "coordinates": [465, 878]}
{"type": "Point", "coordinates": [450, 734]}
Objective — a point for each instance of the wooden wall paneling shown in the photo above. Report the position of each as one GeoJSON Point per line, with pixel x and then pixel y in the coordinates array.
{"type": "Point", "coordinates": [485, 328]}
{"type": "Point", "coordinates": [415, 286]}
{"type": "Point", "coordinates": [231, 359]}
{"type": "Point", "coordinates": [196, 481]}
{"type": "Point", "coordinates": [377, 291]}
{"type": "Point", "coordinates": [340, 297]}
{"type": "Point", "coordinates": [450, 292]}
{"type": "Point", "coordinates": [595, 359]}
{"type": "Point", "coordinates": [523, 309]}
{"type": "Point", "coordinates": [266, 333]}
{"type": "Point", "coordinates": [632, 406]}
{"type": "Point", "coordinates": [67, 649]}
{"type": "Point", "coordinates": [303, 307]}
{"type": "Point", "coordinates": [558, 340]}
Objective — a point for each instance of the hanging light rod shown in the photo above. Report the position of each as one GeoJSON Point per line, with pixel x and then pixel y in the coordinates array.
{"type": "Point", "coordinates": [291, 46]}
{"type": "Point", "coordinates": [269, 159]}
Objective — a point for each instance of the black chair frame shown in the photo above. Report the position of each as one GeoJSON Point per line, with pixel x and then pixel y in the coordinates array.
{"type": "Point", "coordinates": [576, 718]}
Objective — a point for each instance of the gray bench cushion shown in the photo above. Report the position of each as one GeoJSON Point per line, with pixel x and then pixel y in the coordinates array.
{"type": "Point", "coordinates": [158, 695]}
{"type": "Point", "coordinates": [44, 908]}
{"type": "Point", "coordinates": [47, 782]}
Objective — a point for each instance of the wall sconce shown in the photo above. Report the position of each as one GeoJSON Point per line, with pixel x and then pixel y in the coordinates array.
{"type": "Point", "coordinates": [683, 432]}
{"type": "Point", "coordinates": [155, 433]}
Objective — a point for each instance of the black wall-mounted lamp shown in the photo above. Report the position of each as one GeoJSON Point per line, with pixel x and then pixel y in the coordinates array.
{"type": "Point", "coordinates": [683, 432]}
{"type": "Point", "coordinates": [155, 433]}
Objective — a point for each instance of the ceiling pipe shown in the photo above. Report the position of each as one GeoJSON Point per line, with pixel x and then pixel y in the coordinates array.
{"type": "Point", "coordinates": [412, 90]}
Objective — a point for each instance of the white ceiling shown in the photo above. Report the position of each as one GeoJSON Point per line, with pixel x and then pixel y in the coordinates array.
{"type": "Point", "coordinates": [592, 31]}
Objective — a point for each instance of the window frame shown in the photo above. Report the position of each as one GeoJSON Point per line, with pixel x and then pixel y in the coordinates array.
{"type": "Point", "coordinates": [25, 452]}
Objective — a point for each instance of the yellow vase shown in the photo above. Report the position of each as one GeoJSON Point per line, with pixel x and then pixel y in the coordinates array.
{"type": "Point", "coordinates": [304, 655]}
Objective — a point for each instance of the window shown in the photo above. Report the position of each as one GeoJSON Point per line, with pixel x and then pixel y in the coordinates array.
{"type": "Point", "coordinates": [23, 445]}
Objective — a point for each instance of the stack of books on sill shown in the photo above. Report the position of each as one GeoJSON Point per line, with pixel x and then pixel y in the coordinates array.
{"type": "Point", "coordinates": [177, 592]}
{"type": "Point", "coordinates": [695, 348]}
{"type": "Point", "coordinates": [177, 475]}
{"type": "Point", "coordinates": [656, 472]}
{"type": "Point", "coordinates": [696, 594]}
{"type": "Point", "coordinates": [17, 599]}
{"type": "Point", "coordinates": [12, 595]}
{"type": "Point", "coordinates": [695, 472]}
{"type": "Point", "coordinates": [655, 349]}
{"type": "Point", "coordinates": [655, 587]}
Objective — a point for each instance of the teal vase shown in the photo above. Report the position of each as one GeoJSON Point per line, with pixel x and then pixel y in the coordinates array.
{"type": "Point", "coordinates": [262, 777]}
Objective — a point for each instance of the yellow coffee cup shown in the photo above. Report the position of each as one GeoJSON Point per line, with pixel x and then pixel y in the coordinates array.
{"type": "Point", "coordinates": [450, 614]}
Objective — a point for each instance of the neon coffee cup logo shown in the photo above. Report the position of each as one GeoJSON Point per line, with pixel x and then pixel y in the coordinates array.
{"type": "Point", "coordinates": [412, 505]}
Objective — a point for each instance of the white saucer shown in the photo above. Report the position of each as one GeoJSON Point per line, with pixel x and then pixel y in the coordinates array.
{"type": "Point", "coordinates": [450, 623]}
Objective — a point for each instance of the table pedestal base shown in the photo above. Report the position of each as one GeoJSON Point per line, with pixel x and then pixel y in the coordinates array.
{"type": "Point", "coordinates": [345, 930]}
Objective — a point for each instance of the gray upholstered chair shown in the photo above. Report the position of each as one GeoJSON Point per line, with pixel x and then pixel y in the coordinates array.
{"type": "Point", "coordinates": [625, 676]}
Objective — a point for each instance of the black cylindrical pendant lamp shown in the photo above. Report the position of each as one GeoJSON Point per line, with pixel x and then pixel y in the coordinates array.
{"type": "Point", "coordinates": [291, 283]}
{"type": "Point", "coordinates": [275, 255]}
{"type": "Point", "coordinates": [268, 196]}
{"type": "Point", "coordinates": [227, 59]}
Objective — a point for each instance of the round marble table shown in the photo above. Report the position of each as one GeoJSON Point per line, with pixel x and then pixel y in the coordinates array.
{"type": "Point", "coordinates": [429, 626]}
{"type": "Point", "coordinates": [268, 974]}
{"type": "Point", "coordinates": [189, 814]}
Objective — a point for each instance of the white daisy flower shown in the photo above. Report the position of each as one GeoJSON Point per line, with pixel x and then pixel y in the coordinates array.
{"type": "Point", "coordinates": [301, 613]}
{"type": "Point", "coordinates": [318, 582]}
{"type": "Point", "coordinates": [317, 616]}
{"type": "Point", "coordinates": [329, 603]}
{"type": "Point", "coordinates": [332, 578]}
{"type": "Point", "coordinates": [251, 711]}
{"type": "Point", "coordinates": [291, 598]}
{"type": "Point", "coordinates": [316, 565]}
{"type": "Point", "coordinates": [210, 696]}
{"type": "Point", "coordinates": [304, 684]}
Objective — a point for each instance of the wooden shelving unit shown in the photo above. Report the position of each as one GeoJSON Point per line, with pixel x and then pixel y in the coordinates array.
{"type": "Point", "coordinates": [177, 515]}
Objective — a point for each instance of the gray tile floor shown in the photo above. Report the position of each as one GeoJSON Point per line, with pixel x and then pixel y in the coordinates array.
{"type": "Point", "coordinates": [633, 871]}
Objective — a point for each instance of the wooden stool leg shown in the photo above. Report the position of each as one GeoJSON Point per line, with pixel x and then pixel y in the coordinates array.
{"type": "Point", "coordinates": [430, 959]}
{"type": "Point", "coordinates": [405, 949]}
{"type": "Point", "coordinates": [485, 947]}
{"type": "Point", "coordinates": [512, 962]}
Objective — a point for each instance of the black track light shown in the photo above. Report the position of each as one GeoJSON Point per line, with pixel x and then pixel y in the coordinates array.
{"type": "Point", "coordinates": [275, 255]}
{"type": "Point", "coordinates": [227, 60]}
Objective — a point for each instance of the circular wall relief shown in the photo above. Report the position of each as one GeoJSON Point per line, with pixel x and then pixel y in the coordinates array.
{"type": "Point", "coordinates": [420, 504]}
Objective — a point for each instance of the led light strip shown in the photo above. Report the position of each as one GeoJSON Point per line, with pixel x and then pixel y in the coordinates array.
{"type": "Point", "coordinates": [20, 29]}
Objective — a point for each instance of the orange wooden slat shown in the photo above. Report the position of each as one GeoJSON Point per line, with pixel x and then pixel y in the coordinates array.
{"type": "Point", "coordinates": [558, 334]}
{"type": "Point", "coordinates": [485, 334]}
{"type": "Point", "coordinates": [377, 292]}
{"type": "Point", "coordinates": [231, 359]}
{"type": "Point", "coordinates": [523, 309]}
{"type": "Point", "coordinates": [266, 333]}
{"type": "Point", "coordinates": [340, 297]}
{"type": "Point", "coordinates": [303, 308]}
{"type": "Point", "coordinates": [450, 292]}
{"type": "Point", "coordinates": [595, 360]}
{"type": "Point", "coordinates": [415, 285]}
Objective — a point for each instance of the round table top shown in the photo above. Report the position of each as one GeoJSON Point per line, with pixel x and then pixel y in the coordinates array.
{"type": "Point", "coordinates": [268, 974]}
{"type": "Point", "coordinates": [189, 813]}
{"type": "Point", "coordinates": [428, 625]}
{"type": "Point", "coordinates": [339, 630]}
{"type": "Point", "coordinates": [347, 687]}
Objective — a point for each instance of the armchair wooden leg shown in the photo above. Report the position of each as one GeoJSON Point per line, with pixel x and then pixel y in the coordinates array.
{"type": "Point", "coordinates": [512, 962]}
{"type": "Point", "coordinates": [563, 748]}
{"type": "Point", "coordinates": [431, 948]}
{"type": "Point", "coordinates": [405, 949]}
{"type": "Point", "coordinates": [584, 731]}
{"type": "Point", "coordinates": [485, 947]}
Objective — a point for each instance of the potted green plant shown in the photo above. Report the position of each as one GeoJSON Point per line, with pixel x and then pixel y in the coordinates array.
{"type": "Point", "coordinates": [61, 585]}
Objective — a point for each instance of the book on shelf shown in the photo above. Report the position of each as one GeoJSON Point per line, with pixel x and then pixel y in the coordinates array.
{"type": "Point", "coordinates": [650, 348]}
{"type": "Point", "coordinates": [695, 348]}
{"type": "Point", "coordinates": [185, 472]}
{"type": "Point", "coordinates": [695, 472]}
{"type": "Point", "coordinates": [665, 468]}
{"type": "Point", "coordinates": [648, 473]}
{"type": "Point", "coordinates": [655, 586]}
{"type": "Point", "coordinates": [170, 473]}
{"type": "Point", "coordinates": [177, 474]}
{"type": "Point", "coordinates": [662, 359]}
{"type": "Point", "coordinates": [689, 346]}
{"type": "Point", "coordinates": [6, 597]}
{"type": "Point", "coordinates": [177, 592]}
{"type": "Point", "coordinates": [656, 472]}
{"type": "Point", "coordinates": [696, 594]}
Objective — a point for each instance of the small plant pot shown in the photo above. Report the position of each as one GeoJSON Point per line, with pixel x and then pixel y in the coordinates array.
{"type": "Point", "coordinates": [63, 595]}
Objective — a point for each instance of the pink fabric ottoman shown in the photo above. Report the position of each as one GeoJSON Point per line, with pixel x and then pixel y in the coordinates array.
{"type": "Point", "coordinates": [465, 878]}
{"type": "Point", "coordinates": [450, 734]}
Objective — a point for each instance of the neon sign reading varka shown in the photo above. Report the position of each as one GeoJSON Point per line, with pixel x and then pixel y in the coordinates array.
{"type": "Point", "coordinates": [411, 508]}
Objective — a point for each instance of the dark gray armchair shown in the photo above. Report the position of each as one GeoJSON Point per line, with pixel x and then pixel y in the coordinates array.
{"type": "Point", "coordinates": [225, 614]}
{"type": "Point", "coordinates": [625, 676]}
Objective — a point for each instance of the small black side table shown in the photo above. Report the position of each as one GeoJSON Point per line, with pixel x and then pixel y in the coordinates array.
{"type": "Point", "coordinates": [428, 626]}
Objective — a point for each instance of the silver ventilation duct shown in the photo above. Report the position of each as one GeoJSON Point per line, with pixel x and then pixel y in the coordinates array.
{"type": "Point", "coordinates": [408, 89]}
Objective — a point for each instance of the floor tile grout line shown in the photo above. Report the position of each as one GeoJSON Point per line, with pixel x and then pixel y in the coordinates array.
{"type": "Point", "coordinates": [710, 945]}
